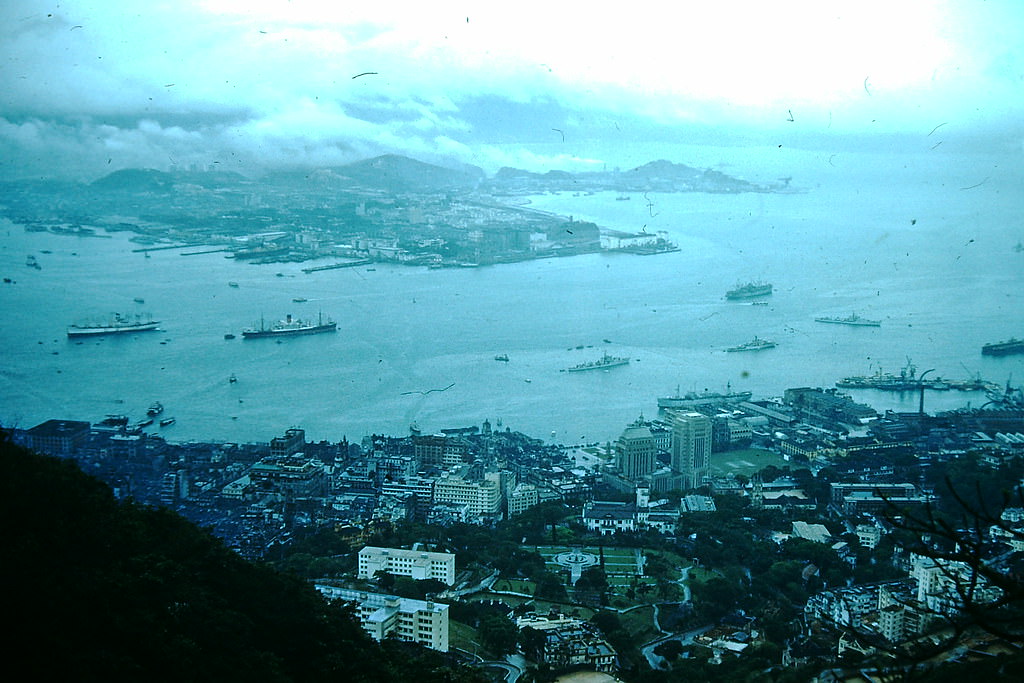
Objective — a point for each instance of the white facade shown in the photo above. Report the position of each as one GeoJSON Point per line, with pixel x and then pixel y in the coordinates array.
{"type": "Point", "coordinates": [483, 497]}
{"type": "Point", "coordinates": [382, 615]}
{"type": "Point", "coordinates": [522, 498]}
{"type": "Point", "coordinates": [416, 564]}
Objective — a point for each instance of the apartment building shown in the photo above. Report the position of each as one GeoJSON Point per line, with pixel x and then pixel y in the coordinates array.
{"type": "Point", "coordinates": [383, 615]}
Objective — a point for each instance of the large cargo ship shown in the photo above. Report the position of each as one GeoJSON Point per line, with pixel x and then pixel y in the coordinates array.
{"type": "Point", "coordinates": [852, 319]}
{"type": "Point", "coordinates": [290, 326]}
{"type": "Point", "coordinates": [117, 324]}
{"type": "Point", "coordinates": [1003, 348]}
{"type": "Point", "coordinates": [605, 361]}
{"type": "Point", "coordinates": [754, 344]}
{"type": "Point", "coordinates": [751, 290]}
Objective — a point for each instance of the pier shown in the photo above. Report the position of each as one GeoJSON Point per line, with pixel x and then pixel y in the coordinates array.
{"type": "Point", "coordinates": [335, 266]}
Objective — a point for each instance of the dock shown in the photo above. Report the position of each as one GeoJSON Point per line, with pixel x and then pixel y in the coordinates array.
{"type": "Point", "coordinates": [335, 266]}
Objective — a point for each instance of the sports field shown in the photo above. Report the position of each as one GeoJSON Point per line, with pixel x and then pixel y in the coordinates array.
{"type": "Point", "coordinates": [747, 462]}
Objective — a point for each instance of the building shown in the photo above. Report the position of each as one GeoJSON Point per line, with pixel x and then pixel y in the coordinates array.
{"type": "Point", "coordinates": [691, 447]}
{"type": "Point", "coordinates": [483, 497]}
{"type": "Point", "coordinates": [570, 646]}
{"type": "Point", "coordinates": [416, 564]}
{"type": "Point", "coordinates": [385, 616]}
{"type": "Point", "coordinates": [440, 450]}
{"type": "Point", "coordinates": [635, 452]}
{"type": "Point", "coordinates": [293, 441]}
{"type": "Point", "coordinates": [871, 498]}
{"type": "Point", "coordinates": [818, 533]}
{"type": "Point", "coordinates": [609, 517]}
{"type": "Point", "coordinates": [294, 476]}
{"type": "Point", "coordinates": [522, 498]}
{"type": "Point", "coordinates": [57, 437]}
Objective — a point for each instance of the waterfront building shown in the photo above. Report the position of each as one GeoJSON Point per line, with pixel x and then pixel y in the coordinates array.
{"type": "Point", "coordinates": [691, 447]}
{"type": "Point", "coordinates": [384, 616]}
{"type": "Point", "coordinates": [416, 564]}
{"type": "Point", "coordinates": [57, 437]}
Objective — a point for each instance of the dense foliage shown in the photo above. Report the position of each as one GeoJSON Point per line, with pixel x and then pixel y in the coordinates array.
{"type": "Point", "coordinates": [101, 590]}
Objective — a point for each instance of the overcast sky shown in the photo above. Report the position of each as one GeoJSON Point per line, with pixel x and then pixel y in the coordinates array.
{"type": "Point", "coordinates": [91, 86]}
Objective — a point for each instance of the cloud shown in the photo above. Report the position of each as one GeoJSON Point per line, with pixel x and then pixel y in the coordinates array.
{"type": "Point", "coordinates": [273, 82]}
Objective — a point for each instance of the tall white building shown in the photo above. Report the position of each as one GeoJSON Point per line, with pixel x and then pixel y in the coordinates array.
{"type": "Point", "coordinates": [382, 615]}
{"type": "Point", "coordinates": [416, 564]}
{"type": "Point", "coordinates": [691, 447]}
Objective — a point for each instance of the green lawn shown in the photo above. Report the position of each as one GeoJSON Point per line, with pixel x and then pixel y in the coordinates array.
{"type": "Point", "coordinates": [748, 461]}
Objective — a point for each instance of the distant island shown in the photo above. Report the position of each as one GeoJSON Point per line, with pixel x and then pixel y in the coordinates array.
{"type": "Point", "coordinates": [388, 209]}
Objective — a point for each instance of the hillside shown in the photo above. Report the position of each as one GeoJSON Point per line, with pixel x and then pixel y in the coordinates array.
{"type": "Point", "coordinates": [100, 590]}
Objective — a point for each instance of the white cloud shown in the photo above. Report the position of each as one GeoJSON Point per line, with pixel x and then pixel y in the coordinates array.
{"type": "Point", "coordinates": [268, 73]}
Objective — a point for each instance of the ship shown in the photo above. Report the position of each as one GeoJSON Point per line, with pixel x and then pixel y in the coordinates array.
{"type": "Point", "coordinates": [909, 380]}
{"type": "Point", "coordinates": [155, 409]}
{"type": "Point", "coordinates": [289, 327]}
{"type": "Point", "coordinates": [117, 324]}
{"type": "Point", "coordinates": [167, 421]}
{"type": "Point", "coordinates": [751, 290]}
{"type": "Point", "coordinates": [502, 357]}
{"type": "Point", "coordinates": [754, 344]}
{"type": "Point", "coordinates": [852, 319]}
{"type": "Point", "coordinates": [605, 361]}
{"type": "Point", "coordinates": [693, 399]}
{"type": "Point", "coordinates": [1003, 348]}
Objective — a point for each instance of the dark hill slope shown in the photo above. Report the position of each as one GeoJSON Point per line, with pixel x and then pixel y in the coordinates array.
{"type": "Point", "coordinates": [100, 590]}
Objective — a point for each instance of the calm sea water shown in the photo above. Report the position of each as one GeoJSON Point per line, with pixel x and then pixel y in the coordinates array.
{"type": "Point", "coordinates": [903, 244]}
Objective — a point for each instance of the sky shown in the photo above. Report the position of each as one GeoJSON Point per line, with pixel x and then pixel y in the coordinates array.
{"type": "Point", "coordinates": [87, 87]}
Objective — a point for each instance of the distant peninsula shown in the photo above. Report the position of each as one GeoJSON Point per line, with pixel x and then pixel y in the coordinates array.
{"type": "Point", "coordinates": [386, 209]}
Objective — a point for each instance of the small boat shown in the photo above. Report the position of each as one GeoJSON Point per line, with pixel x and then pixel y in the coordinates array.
{"type": "Point", "coordinates": [139, 300]}
{"type": "Point", "coordinates": [229, 336]}
{"type": "Point", "coordinates": [232, 379]}
{"type": "Point", "coordinates": [144, 423]}
{"type": "Point", "coordinates": [155, 409]}
{"type": "Point", "coordinates": [502, 357]}
{"type": "Point", "coordinates": [166, 421]}
{"type": "Point", "coordinates": [300, 300]}
{"type": "Point", "coordinates": [233, 284]}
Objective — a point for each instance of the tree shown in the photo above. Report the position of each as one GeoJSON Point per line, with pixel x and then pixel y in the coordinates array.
{"type": "Point", "coordinates": [499, 633]}
{"type": "Point", "coordinates": [985, 579]}
{"type": "Point", "coordinates": [550, 587]}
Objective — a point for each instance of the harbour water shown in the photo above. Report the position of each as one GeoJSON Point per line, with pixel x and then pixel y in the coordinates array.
{"type": "Point", "coordinates": [933, 262]}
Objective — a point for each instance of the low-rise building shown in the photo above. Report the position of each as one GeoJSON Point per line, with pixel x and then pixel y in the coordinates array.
{"type": "Point", "coordinates": [416, 564]}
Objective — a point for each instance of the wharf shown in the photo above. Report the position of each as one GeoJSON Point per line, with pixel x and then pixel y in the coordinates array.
{"type": "Point", "coordinates": [335, 266]}
{"type": "Point", "coordinates": [162, 248]}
